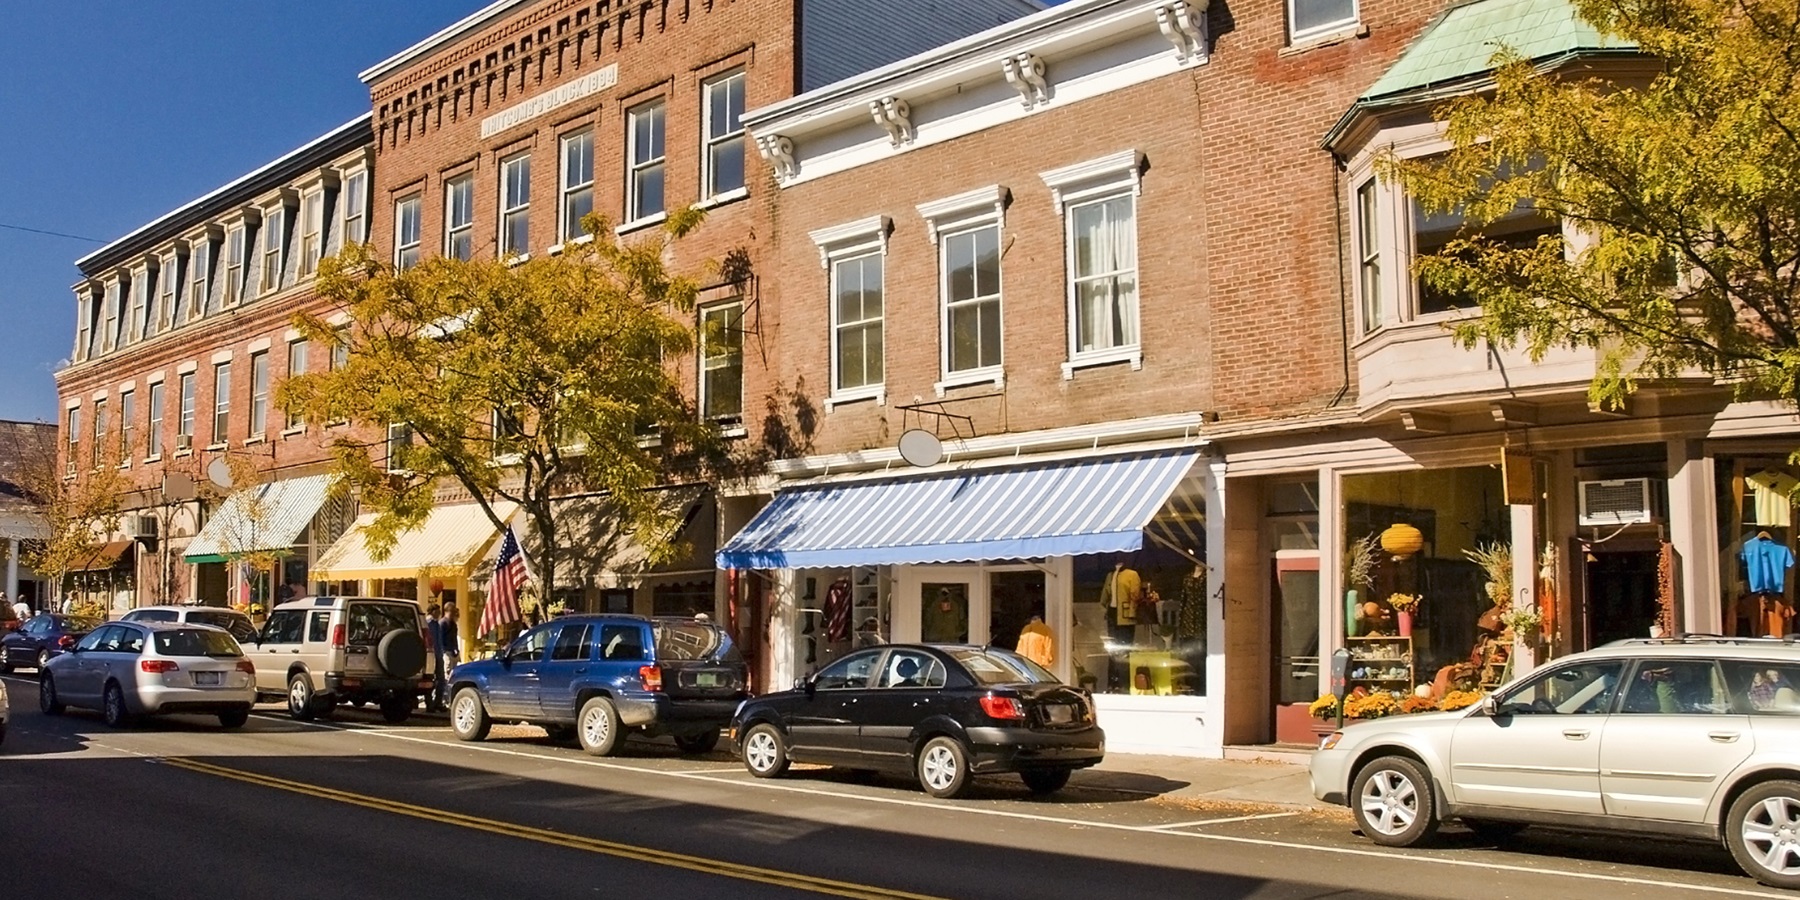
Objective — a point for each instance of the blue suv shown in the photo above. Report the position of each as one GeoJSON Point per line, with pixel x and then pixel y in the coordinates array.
{"type": "Point", "coordinates": [600, 677]}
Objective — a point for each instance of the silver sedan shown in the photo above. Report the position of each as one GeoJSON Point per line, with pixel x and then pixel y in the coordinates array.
{"type": "Point", "coordinates": [131, 669]}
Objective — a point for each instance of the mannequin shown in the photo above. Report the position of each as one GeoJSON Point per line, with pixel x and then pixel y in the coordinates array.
{"type": "Point", "coordinates": [1036, 643]}
{"type": "Point", "coordinates": [1120, 597]}
{"type": "Point", "coordinates": [1766, 563]}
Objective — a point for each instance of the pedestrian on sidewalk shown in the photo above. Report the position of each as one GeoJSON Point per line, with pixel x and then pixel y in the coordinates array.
{"type": "Point", "coordinates": [450, 652]}
{"type": "Point", "coordinates": [434, 635]}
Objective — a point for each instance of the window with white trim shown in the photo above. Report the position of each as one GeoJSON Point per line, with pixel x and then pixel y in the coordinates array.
{"type": "Point", "coordinates": [1368, 256]}
{"type": "Point", "coordinates": [234, 265]}
{"type": "Point", "coordinates": [1433, 232]}
{"type": "Point", "coordinates": [184, 425]}
{"type": "Point", "coordinates": [515, 206]}
{"type": "Point", "coordinates": [198, 265]}
{"type": "Point", "coordinates": [153, 439]}
{"type": "Point", "coordinates": [139, 312]}
{"type": "Point", "coordinates": [356, 207]}
{"type": "Point", "coordinates": [274, 239]}
{"type": "Point", "coordinates": [312, 231]}
{"type": "Point", "coordinates": [127, 425]}
{"type": "Point", "coordinates": [723, 156]}
{"type": "Point", "coordinates": [459, 217]}
{"type": "Point", "coordinates": [406, 232]}
{"type": "Point", "coordinates": [1103, 275]}
{"type": "Point", "coordinates": [296, 366]}
{"type": "Point", "coordinates": [109, 334]}
{"type": "Point", "coordinates": [259, 393]}
{"type": "Point", "coordinates": [1311, 18]}
{"type": "Point", "coordinates": [722, 362]}
{"type": "Point", "coordinates": [399, 439]}
{"type": "Point", "coordinates": [644, 185]}
{"type": "Point", "coordinates": [73, 460]}
{"type": "Point", "coordinates": [94, 449]}
{"type": "Point", "coordinates": [84, 324]}
{"type": "Point", "coordinates": [168, 287]}
{"type": "Point", "coordinates": [221, 420]}
{"type": "Point", "coordinates": [857, 317]}
{"type": "Point", "coordinates": [577, 183]}
{"type": "Point", "coordinates": [971, 292]}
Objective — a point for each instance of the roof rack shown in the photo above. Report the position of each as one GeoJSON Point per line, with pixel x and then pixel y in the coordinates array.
{"type": "Point", "coordinates": [1704, 638]}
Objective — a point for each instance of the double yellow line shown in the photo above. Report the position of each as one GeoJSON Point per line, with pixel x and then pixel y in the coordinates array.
{"type": "Point", "coordinates": [702, 864]}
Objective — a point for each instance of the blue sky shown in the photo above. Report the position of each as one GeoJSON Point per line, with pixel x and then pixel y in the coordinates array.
{"type": "Point", "coordinates": [117, 111]}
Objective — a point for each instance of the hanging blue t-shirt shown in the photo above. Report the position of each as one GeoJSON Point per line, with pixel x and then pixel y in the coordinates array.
{"type": "Point", "coordinates": [1765, 564]}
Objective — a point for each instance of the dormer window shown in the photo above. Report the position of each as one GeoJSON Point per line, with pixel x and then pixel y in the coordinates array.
{"type": "Point", "coordinates": [168, 291]}
{"type": "Point", "coordinates": [234, 265]}
{"type": "Point", "coordinates": [312, 231]}
{"type": "Point", "coordinates": [199, 267]}
{"type": "Point", "coordinates": [356, 207]}
{"type": "Point", "coordinates": [274, 237]}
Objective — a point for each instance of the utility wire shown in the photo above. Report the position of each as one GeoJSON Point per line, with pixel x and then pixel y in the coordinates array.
{"type": "Point", "coordinates": [72, 237]}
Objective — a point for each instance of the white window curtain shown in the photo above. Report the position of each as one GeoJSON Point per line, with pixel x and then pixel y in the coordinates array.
{"type": "Point", "coordinates": [1105, 241]}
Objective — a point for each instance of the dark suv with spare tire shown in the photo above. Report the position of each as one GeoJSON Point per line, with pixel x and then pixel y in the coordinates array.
{"type": "Point", "coordinates": [323, 651]}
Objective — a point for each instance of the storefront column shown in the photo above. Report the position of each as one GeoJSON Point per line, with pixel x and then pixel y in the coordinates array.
{"type": "Point", "coordinates": [1524, 579]}
{"type": "Point", "coordinates": [783, 613]}
{"type": "Point", "coordinates": [1694, 529]}
{"type": "Point", "coordinates": [1331, 577]}
{"type": "Point", "coordinates": [1212, 724]}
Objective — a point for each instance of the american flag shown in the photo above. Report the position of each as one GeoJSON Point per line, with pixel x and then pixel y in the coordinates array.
{"type": "Point", "coordinates": [503, 594]}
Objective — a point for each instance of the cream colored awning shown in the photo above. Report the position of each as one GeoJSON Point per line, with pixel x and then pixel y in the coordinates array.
{"type": "Point", "coordinates": [451, 540]}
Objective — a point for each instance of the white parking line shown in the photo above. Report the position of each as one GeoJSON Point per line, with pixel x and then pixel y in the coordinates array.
{"type": "Point", "coordinates": [1388, 856]}
{"type": "Point", "coordinates": [1279, 815]}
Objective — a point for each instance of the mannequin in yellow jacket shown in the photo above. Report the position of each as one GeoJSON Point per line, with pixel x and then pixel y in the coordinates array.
{"type": "Point", "coordinates": [1036, 643]}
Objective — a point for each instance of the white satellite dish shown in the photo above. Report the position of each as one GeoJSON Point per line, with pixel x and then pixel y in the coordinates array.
{"type": "Point", "coordinates": [219, 473]}
{"type": "Point", "coordinates": [921, 448]}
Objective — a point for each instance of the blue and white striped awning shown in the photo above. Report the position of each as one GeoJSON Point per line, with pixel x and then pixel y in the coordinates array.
{"type": "Point", "coordinates": [1098, 505]}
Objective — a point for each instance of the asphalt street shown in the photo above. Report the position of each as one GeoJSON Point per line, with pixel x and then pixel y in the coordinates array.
{"type": "Point", "coordinates": [355, 808]}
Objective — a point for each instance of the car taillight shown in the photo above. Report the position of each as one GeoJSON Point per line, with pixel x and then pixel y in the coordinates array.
{"type": "Point", "coordinates": [247, 667]}
{"type": "Point", "coordinates": [652, 676]}
{"type": "Point", "coordinates": [66, 641]}
{"type": "Point", "coordinates": [337, 636]}
{"type": "Point", "coordinates": [1002, 707]}
{"type": "Point", "coordinates": [158, 666]}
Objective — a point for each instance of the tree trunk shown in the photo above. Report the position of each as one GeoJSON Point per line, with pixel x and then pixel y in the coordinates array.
{"type": "Point", "coordinates": [544, 520]}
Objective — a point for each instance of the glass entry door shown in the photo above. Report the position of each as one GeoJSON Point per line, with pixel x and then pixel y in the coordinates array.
{"type": "Point", "coordinates": [940, 605]}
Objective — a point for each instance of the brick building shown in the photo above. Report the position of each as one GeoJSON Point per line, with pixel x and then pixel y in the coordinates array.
{"type": "Point", "coordinates": [182, 334]}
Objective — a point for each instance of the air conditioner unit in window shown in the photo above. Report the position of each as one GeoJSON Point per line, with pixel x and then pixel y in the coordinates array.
{"type": "Point", "coordinates": [1622, 501]}
{"type": "Point", "coordinates": [141, 526]}
{"type": "Point", "coordinates": [184, 442]}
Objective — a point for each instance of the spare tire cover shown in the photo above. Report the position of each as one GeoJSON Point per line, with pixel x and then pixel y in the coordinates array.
{"type": "Point", "coordinates": [401, 653]}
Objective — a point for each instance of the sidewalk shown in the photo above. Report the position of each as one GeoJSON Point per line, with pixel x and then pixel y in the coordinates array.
{"type": "Point", "coordinates": [1247, 782]}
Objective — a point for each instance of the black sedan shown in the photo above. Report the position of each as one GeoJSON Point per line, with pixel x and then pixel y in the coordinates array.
{"type": "Point", "coordinates": [942, 713]}
{"type": "Point", "coordinates": [42, 638]}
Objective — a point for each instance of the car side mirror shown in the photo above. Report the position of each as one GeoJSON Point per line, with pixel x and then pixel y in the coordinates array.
{"type": "Point", "coordinates": [805, 684]}
{"type": "Point", "coordinates": [1490, 706]}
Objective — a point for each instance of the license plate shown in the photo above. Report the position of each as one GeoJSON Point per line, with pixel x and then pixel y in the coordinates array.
{"type": "Point", "coordinates": [1058, 714]}
{"type": "Point", "coordinates": [707, 679]}
{"type": "Point", "coordinates": [359, 662]}
{"type": "Point", "coordinates": [206, 678]}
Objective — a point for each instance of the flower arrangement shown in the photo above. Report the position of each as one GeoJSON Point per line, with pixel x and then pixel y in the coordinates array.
{"type": "Point", "coordinates": [1373, 706]}
{"type": "Point", "coordinates": [1495, 561]}
{"type": "Point", "coordinates": [1418, 704]}
{"type": "Point", "coordinates": [1459, 700]}
{"type": "Point", "coordinates": [1405, 603]}
{"type": "Point", "coordinates": [1359, 561]}
{"type": "Point", "coordinates": [1523, 622]}
{"type": "Point", "coordinates": [1325, 707]}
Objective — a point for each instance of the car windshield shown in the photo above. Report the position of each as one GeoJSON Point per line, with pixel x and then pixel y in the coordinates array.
{"type": "Point", "coordinates": [991, 667]}
{"type": "Point", "coordinates": [369, 621]}
{"type": "Point", "coordinates": [239, 626]}
{"type": "Point", "coordinates": [677, 641]}
{"type": "Point", "coordinates": [196, 642]}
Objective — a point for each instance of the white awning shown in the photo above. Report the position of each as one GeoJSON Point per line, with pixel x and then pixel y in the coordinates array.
{"type": "Point", "coordinates": [448, 543]}
{"type": "Point", "coordinates": [266, 517]}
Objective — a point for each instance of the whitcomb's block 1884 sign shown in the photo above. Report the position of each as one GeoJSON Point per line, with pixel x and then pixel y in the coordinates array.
{"type": "Point", "coordinates": [591, 83]}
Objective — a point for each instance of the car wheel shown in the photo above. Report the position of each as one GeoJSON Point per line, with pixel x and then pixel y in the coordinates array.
{"type": "Point", "coordinates": [1045, 781]}
{"type": "Point", "coordinates": [598, 727]}
{"type": "Point", "coordinates": [48, 702]}
{"type": "Point", "coordinates": [398, 708]}
{"type": "Point", "coordinates": [764, 752]}
{"type": "Point", "coordinates": [1494, 830]}
{"type": "Point", "coordinates": [112, 706]}
{"type": "Point", "coordinates": [1395, 805]}
{"type": "Point", "coordinates": [698, 743]}
{"type": "Point", "coordinates": [302, 705]}
{"type": "Point", "coordinates": [234, 719]}
{"type": "Point", "coordinates": [943, 767]}
{"type": "Point", "coordinates": [1763, 831]}
{"type": "Point", "coordinates": [43, 660]}
{"type": "Point", "coordinates": [468, 718]}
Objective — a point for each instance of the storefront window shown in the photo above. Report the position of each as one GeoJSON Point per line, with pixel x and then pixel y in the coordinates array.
{"type": "Point", "coordinates": [1757, 540]}
{"type": "Point", "coordinates": [1427, 568]}
{"type": "Point", "coordinates": [839, 610]}
{"type": "Point", "coordinates": [685, 598]}
{"type": "Point", "coordinates": [1140, 622]}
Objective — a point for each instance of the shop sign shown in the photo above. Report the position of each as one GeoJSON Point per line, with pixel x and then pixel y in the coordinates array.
{"type": "Point", "coordinates": [562, 95]}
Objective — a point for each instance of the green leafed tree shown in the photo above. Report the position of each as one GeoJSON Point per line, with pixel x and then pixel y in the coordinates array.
{"type": "Point", "coordinates": [1679, 171]}
{"type": "Point", "coordinates": [522, 383]}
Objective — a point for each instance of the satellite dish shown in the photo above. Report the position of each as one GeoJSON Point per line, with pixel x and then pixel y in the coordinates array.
{"type": "Point", "coordinates": [219, 473]}
{"type": "Point", "coordinates": [921, 448]}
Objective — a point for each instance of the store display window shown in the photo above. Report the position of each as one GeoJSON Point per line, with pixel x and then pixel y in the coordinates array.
{"type": "Point", "coordinates": [842, 610]}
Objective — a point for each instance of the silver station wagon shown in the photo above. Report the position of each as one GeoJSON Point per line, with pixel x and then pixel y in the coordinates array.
{"type": "Point", "coordinates": [1694, 737]}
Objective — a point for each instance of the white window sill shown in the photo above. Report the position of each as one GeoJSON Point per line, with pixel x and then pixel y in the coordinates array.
{"type": "Point", "coordinates": [734, 430]}
{"type": "Point", "coordinates": [1133, 355]}
{"type": "Point", "coordinates": [731, 196]}
{"type": "Point", "coordinates": [124, 465]}
{"type": "Point", "coordinates": [647, 443]}
{"type": "Point", "coordinates": [290, 432]}
{"type": "Point", "coordinates": [507, 459]}
{"type": "Point", "coordinates": [877, 393]}
{"type": "Point", "coordinates": [255, 439]}
{"type": "Point", "coordinates": [641, 224]}
{"type": "Point", "coordinates": [518, 259]}
{"type": "Point", "coordinates": [182, 454]}
{"type": "Point", "coordinates": [995, 376]}
{"type": "Point", "coordinates": [1332, 35]}
{"type": "Point", "coordinates": [211, 448]}
{"type": "Point", "coordinates": [153, 458]}
{"type": "Point", "coordinates": [570, 244]}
